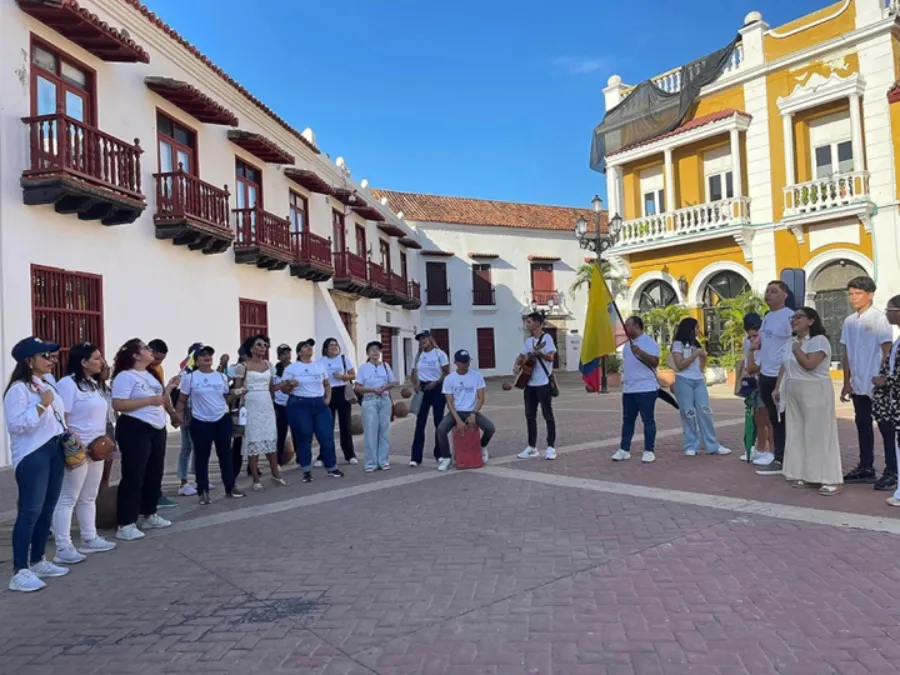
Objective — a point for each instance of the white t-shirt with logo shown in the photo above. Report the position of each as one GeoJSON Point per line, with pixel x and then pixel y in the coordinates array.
{"type": "Point", "coordinates": [429, 367]}
{"type": "Point", "coordinates": [207, 392]}
{"type": "Point", "coordinates": [370, 376]}
{"type": "Point", "coordinates": [131, 384]}
{"type": "Point", "coordinates": [637, 376]}
{"type": "Point", "coordinates": [540, 376]}
{"type": "Point", "coordinates": [280, 397]}
{"type": "Point", "coordinates": [87, 409]}
{"type": "Point", "coordinates": [464, 389]}
{"type": "Point", "coordinates": [335, 366]}
{"type": "Point", "coordinates": [310, 378]}
{"type": "Point", "coordinates": [692, 372]}
{"type": "Point", "coordinates": [862, 335]}
{"type": "Point", "coordinates": [774, 336]}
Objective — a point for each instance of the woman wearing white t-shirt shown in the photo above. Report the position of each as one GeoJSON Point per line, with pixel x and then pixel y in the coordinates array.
{"type": "Point", "coordinates": [308, 412]}
{"type": "Point", "coordinates": [373, 384]}
{"type": "Point", "coordinates": [142, 401]}
{"type": "Point", "coordinates": [341, 371]}
{"type": "Point", "coordinates": [805, 392]}
{"type": "Point", "coordinates": [690, 389]}
{"type": "Point", "coordinates": [87, 414]}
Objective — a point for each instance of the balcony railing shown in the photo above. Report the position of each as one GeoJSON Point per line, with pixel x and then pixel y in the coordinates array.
{"type": "Point", "coordinates": [544, 298]}
{"type": "Point", "coordinates": [439, 297]}
{"type": "Point", "coordinates": [62, 144]}
{"type": "Point", "coordinates": [484, 297]}
{"type": "Point", "coordinates": [377, 276]}
{"type": "Point", "coordinates": [397, 285]}
{"type": "Point", "coordinates": [415, 291]}
{"type": "Point", "coordinates": [350, 266]}
{"type": "Point", "coordinates": [257, 228]}
{"type": "Point", "coordinates": [180, 196]}
{"type": "Point", "coordinates": [312, 248]}
{"type": "Point", "coordinates": [840, 189]}
{"type": "Point", "coordinates": [686, 221]}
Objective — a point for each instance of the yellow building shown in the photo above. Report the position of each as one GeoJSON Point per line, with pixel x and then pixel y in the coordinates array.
{"type": "Point", "coordinates": [789, 158]}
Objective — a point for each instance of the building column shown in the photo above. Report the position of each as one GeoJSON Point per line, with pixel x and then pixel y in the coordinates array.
{"type": "Point", "coordinates": [736, 176]}
{"type": "Point", "coordinates": [670, 182]}
{"type": "Point", "coordinates": [856, 132]}
{"type": "Point", "coordinates": [787, 123]}
{"type": "Point", "coordinates": [612, 190]}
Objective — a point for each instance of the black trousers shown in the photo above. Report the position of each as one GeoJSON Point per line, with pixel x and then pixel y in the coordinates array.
{"type": "Point", "coordinates": [237, 457]}
{"type": "Point", "coordinates": [862, 409]}
{"type": "Point", "coordinates": [433, 401]}
{"type": "Point", "coordinates": [281, 425]}
{"type": "Point", "coordinates": [535, 396]}
{"type": "Point", "coordinates": [204, 435]}
{"type": "Point", "coordinates": [766, 387]}
{"type": "Point", "coordinates": [340, 411]}
{"type": "Point", "coordinates": [143, 449]}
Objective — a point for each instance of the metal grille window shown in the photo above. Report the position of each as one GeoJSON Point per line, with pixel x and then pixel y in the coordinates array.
{"type": "Point", "coordinates": [67, 308]}
{"type": "Point", "coordinates": [722, 287]}
{"type": "Point", "coordinates": [829, 288]}
{"type": "Point", "coordinates": [487, 357]}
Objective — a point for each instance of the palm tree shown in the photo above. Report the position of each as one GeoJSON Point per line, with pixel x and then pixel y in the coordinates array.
{"type": "Point", "coordinates": [732, 313]}
{"type": "Point", "coordinates": [585, 272]}
{"type": "Point", "coordinates": [663, 321]}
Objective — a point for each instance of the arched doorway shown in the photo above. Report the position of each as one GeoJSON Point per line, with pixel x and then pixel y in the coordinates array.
{"type": "Point", "coordinates": [723, 286]}
{"type": "Point", "coordinates": [655, 295]}
{"type": "Point", "coordinates": [829, 289]}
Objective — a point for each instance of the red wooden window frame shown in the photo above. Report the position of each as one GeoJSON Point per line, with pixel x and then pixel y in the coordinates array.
{"type": "Point", "coordinates": [89, 92]}
{"type": "Point", "coordinates": [386, 336]}
{"type": "Point", "coordinates": [347, 320]}
{"type": "Point", "coordinates": [241, 183]}
{"type": "Point", "coordinates": [442, 339]}
{"type": "Point", "coordinates": [385, 248]}
{"type": "Point", "coordinates": [542, 273]}
{"type": "Point", "coordinates": [436, 284]}
{"type": "Point", "coordinates": [253, 316]}
{"type": "Point", "coordinates": [403, 266]}
{"type": "Point", "coordinates": [190, 150]}
{"type": "Point", "coordinates": [482, 284]}
{"type": "Point", "coordinates": [361, 250]}
{"type": "Point", "coordinates": [66, 308]}
{"type": "Point", "coordinates": [299, 212]}
{"type": "Point", "coordinates": [339, 230]}
{"type": "Point", "coordinates": [487, 354]}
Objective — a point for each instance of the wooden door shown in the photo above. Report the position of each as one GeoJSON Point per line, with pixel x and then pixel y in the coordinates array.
{"type": "Point", "coordinates": [387, 338]}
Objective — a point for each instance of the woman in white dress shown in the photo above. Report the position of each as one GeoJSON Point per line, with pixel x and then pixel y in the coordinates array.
{"type": "Point", "coordinates": [254, 376]}
{"type": "Point", "coordinates": [805, 393]}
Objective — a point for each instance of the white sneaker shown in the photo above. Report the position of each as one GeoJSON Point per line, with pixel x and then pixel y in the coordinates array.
{"type": "Point", "coordinates": [47, 570]}
{"type": "Point", "coordinates": [187, 490]}
{"type": "Point", "coordinates": [413, 464]}
{"type": "Point", "coordinates": [353, 461]}
{"type": "Point", "coordinates": [67, 555]}
{"type": "Point", "coordinates": [550, 454]}
{"type": "Point", "coordinates": [26, 581]}
{"type": "Point", "coordinates": [257, 487]}
{"type": "Point", "coordinates": [690, 453]}
{"type": "Point", "coordinates": [318, 463]}
{"type": "Point", "coordinates": [528, 453]}
{"type": "Point", "coordinates": [97, 545]}
{"type": "Point", "coordinates": [721, 450]}
{"type": "Point", "coordinates": [621, 455]}
{"type": "Point", "coordinates": [648, 457]}
{"type": "Point", "coordinates": [485, 456]}
{"type": "Point", "coordinates": [764, 458]}
{"type": "Point", "coordinates": [754, 455]}
{"type": "Point", "coordinates": [212, 487]}
{"type": "Point", "coordinates": [155, 522]}
{"type": "Point", "coordinates": [129, 533]}
{"type": "Point", "coordinates": [444, 464]}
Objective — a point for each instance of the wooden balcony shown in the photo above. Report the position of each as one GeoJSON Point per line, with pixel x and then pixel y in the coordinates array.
{"type": "Point", "coordinates": [79, 169]}
{"type": "Point", "coordinates": [262, 239]}
{"type": "Point", "coordinates": [397, 291]}
{"type": "Point", "coordinates": [544, 298]}
{"type": "Point", "coordinates": [378, 281]}
{"type": "Point", "coordinates": [313, 257]}
{"type": "Point", "coordinates": [351, 273]}
{"type": "Point", "coordinates": [413, 296]}
{"type": "Point", "coordinates": [192, 213]}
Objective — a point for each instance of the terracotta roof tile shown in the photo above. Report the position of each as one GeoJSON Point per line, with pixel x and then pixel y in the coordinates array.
{"type": "Point", "coordinates": [687, 126]}
{"type": "Point", "coordinates": [484, 212]}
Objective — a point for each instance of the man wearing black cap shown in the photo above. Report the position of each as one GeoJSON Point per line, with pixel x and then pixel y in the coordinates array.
{"type": "Point", "coordinates": [464, 391]}
{"type": "Point", "coordinates": [429, 370]}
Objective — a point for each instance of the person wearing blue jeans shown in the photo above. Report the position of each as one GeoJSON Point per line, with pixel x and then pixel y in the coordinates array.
{"type": "Point", "coordinates": [640, 359]}
{"type": "Point", "coordinates": [308, 412]}
{"type": "Point", "coordinates": [430, 367]}
{"type": "Point", "coordinates": [374, 382]}
{"type": "Point", "coordinates": [690, 390]}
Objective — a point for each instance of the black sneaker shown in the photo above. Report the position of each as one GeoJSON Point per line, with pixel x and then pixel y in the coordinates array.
{"type": "Point", "coordinates": [773, 468]}
{"type": "Point", "coordinates": [336, 473]}
{"type": "Point", "coordinates": [235, 494]}
{"type": "Point", "coordinates": [204, 499]}
{"type": "Point", "coordinates": [307, 477]}
{"type": "Point", "coordinates": [860, 476]}
{"type": "Point", "coordinates": [887, 482]}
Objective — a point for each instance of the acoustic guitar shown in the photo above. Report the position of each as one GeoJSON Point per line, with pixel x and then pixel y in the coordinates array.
{"type": "Point", "coordinates": [522, 373]}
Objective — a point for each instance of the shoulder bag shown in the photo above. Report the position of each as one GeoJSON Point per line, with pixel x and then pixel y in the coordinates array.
{"type": "Point", "coordinates": [73, 452]}
{"type": "Point", "coordinates": [387, 377]}
{"type": "Point", "coordinates": [349, 386]}
{"type": "Point", "coordinates": [554, 389]}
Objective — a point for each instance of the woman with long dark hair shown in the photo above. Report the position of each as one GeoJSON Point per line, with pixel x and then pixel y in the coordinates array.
{"type": "Point", "coordinates": [142, 401]}
{"type": "Point", "coordinates": [341, 371]}
{"type": "Point", "coordinates": [87, 414]}
{"type": "Point", "coordinates": [690, 391]}
{"type": "Point", "coordinates": [804, 393]}
{"type": "Point", "coordinates": [280, 398]}
{"type": "Point", "coordinates": [34, 413]}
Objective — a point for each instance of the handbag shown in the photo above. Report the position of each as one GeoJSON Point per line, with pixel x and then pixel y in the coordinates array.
{"type": "Point", "coordinates": [554, 389]}
{"type": "Point", "coordinates": [387, 376]}
{"type": "Point", "coordinates": [100, 448]}
{"type": "Point", "coordinates": [73, 451]}
{"type": "Point", "coordinates": [349, 386]}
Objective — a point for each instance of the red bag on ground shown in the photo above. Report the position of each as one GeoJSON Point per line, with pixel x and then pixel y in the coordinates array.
{"type": "Point", "coordinates": [467, 449]}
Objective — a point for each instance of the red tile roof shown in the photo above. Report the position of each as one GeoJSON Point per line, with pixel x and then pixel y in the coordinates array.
{"type": "Point", "coordinates": [687, 126]}
{"type": "Point", "coordinates": [485, 212]}
{"type": "Point", "coordinates": [200, 56]}
{"type": "Point", "coordinates": [894, 93]}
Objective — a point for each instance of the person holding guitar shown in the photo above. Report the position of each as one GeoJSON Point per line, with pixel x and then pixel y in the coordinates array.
{"type": "Point", "coordinates": [534, 368]}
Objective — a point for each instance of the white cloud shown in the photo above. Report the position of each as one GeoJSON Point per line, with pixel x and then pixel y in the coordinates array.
{"type": "Point", "coordinates": [582, 65]}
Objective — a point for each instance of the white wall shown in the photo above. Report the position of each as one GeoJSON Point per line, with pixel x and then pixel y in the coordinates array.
{"type": "Point", "coordinates": [511, 276]}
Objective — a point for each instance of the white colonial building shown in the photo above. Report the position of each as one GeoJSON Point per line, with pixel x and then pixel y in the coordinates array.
{"type": "Point", "coordinates": [143, 192]}
{"type": "Point", "coordinates": [485, 264]}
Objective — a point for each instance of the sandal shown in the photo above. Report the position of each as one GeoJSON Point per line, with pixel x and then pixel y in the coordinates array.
{"type": "Point", "coordinates": [799, 484]}
{"type": "Point", "coordinates": [829, 490]}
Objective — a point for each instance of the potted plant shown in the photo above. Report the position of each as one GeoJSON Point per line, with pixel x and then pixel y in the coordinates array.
{"type": "Point", "coordinates": [614, 370]}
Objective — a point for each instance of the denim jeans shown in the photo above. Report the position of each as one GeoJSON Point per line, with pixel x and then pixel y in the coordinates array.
{"type": "Point", "coordinates": [696, 415]}
{"type": "Point", "coordinates": [448, 424]}
{"type": "Point", "coordinates": [184, 456]}
{"type": "Point", "coordinates": [204, 436]}
{"type": "Point", "coordinates": [376, 421]}
{"type": "Point", "coordinates": [643, 403]}
{"type": "Point", "coordinates": [433, 400]}
{"type": "Point", "coordinates": [310, 417]}
{"type": "Point", "coordinates": [39, 476]}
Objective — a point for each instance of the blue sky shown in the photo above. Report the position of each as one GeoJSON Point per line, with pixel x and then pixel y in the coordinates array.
{"type": "Point", "coordinates": [493, 99]}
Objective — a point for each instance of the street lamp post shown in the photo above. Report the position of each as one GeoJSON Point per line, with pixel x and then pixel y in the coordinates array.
{"type": "Point", "coordinates": [598, 242]}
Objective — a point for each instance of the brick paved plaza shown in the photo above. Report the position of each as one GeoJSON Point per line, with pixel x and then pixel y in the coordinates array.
{"type": "Point", "coordinates": [580, 566]}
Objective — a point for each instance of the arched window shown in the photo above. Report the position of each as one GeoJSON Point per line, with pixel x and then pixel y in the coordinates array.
{"type": "Point", "coordinates": [723, 286]}
{"type": "Point", "coordinates": [656, 294]}
{"type": "Point", "coordinates": [829, 287]}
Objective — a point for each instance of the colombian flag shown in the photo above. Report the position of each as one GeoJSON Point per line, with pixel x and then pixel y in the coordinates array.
{"type": "Point", "coordinates": [599, 333]}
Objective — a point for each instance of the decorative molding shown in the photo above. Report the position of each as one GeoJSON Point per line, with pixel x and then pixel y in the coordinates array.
{"type": "Point", "coordinates": [818, 262]}
{"type": "Point", "coordinates": [744, 239]}
{"type": "Point", "coordinates": [820, 89]}
{"type": "Point", "coordinates": [865, 220]}
{"type": "Point", "coordinates": [620, 264]}
{"type": "Point", "coordinates": [797, 230]}
{"type": "Point", "coordinates": [701, 279]}
{"type": "Point", "coordinates": [799, 29]}
{"type": "Point", "coordinates": [634, 292]}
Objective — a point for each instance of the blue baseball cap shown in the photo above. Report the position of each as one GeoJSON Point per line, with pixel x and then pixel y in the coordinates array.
{"type": "Point", "coordinates": [32, 346]}
{"type": "Point", "coordinates": [423, 334]}
{"type": "Point", "coordinates": [462, 356]}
